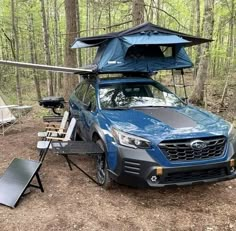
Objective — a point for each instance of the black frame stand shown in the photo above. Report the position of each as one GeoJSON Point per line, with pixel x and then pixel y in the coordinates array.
{"type": "Point", "coordinates": [78, 148]}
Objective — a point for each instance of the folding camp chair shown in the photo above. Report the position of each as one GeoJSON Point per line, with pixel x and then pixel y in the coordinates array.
{"type": "Point", "coordinates": [16, 179]}
{"type": "Point", "coordinates": [44, 145]}
{"type": "Point", "coordinates": [52, 119]}
{"type": "Point", "coordinates": [54, 130]}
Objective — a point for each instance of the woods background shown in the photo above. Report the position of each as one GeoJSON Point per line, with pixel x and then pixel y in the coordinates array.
{"type": "Point", "coordinates": [40, 31]}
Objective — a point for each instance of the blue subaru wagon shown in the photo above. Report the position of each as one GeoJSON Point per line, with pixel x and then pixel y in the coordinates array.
{"type": "Point", "coordinates": [150, 137]}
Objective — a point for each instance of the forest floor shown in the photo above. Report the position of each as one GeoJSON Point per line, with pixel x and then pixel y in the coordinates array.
{"type": "Point", "coordinates": [73, 202]}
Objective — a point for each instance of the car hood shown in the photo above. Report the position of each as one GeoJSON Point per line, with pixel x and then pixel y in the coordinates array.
{"type": "Point", "coordinates": [161, 123]}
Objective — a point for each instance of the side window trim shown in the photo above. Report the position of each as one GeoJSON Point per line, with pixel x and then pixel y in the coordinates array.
{"type": "Point", "coordinates": [85, 93]}
{"type": "Point", "coordinates": [94, 89]}
{"type": "Point", "coordinates": [81, 86]}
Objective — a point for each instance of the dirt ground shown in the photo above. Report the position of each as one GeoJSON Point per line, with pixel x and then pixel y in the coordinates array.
{"type": "Point", "coordinates": [73, 202]}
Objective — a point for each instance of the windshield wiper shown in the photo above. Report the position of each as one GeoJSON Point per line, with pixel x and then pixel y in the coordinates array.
{"type": "Point", "coordinates": [116, 108]}
{"type": "Point", "coordinates": [146, 106]}
{"type": "Point", "coordinates": [153, 106]}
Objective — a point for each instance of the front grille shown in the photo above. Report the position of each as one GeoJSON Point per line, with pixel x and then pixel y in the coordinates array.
{"type": "Point", "coordinates": [181, 150]}
{"type": "Point", "coordinates": [195, 175]}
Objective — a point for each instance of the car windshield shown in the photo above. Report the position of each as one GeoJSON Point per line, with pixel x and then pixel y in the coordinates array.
{"type": "Point", "coordinates": [131, 95]}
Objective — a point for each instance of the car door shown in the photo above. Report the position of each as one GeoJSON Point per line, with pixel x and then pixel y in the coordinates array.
{"type": "Point", "coordinates": [89, 111]}
{"type": "Point", "coordinates": [77, 107]}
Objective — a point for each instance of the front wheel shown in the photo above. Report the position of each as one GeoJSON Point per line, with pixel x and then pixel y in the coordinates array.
{"type": "Point", "coordinates": [103, 177]}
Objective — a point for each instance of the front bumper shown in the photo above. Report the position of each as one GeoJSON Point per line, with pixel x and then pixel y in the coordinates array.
{"type": "Point", "coordinates": [136, 168]}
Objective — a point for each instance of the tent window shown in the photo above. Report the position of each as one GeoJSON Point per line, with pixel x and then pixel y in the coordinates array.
{"type": "Point", "coordinates": [145, 51]}
{"type": "Point", "coordinates": [167, 51]}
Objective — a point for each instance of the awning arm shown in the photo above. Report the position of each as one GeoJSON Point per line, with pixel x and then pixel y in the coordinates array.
{"type": "Point", "coordinates": [45, 67]}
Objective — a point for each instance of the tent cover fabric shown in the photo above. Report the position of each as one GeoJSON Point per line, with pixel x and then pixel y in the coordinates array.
{"type": "Point", "coordinates": [145, 48]}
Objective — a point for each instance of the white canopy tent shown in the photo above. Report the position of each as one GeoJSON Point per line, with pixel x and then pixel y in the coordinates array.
{"type": "Point", "coordinates": [6, 116]}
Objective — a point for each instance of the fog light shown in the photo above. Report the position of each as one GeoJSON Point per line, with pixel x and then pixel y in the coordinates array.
{"type": "Point", "coordinates": [159, 171]}
{"type": "Point", "coordinates": [154, 179]}
{"type": "Point", "coordinates": [232, 163]}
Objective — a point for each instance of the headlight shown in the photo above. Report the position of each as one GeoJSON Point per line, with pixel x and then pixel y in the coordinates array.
{"type": "Point", "coordinates": [232, 132]}
{"type": "Point", "coordinates": [130, 141]}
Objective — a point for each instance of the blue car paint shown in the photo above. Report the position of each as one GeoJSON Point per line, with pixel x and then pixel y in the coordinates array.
{"type": "Point", "coordinates": [137, 123]}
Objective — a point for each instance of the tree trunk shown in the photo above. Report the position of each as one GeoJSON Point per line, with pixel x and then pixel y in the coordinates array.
{"type": "Point", "coordinates": [70, 54]}
{"type": "Point", "coordinates": [198, 91]}
{"type": "Point", "coordinates": [138, 12]}
{"type": "Point", "coordinates": [157, 11]}
{"type": "Point", "coordinates": [16, 51]}
{"type": "Point", "coordinates": [56, 48]}
{"type": "Point", "coordinates": [32, 55]}
{"type": "Point", "coordinates": [47, 49]}
{"type": "Point", "coordinates": [78, 30]}
{"type": "Point", "coordinates": [198, 48]}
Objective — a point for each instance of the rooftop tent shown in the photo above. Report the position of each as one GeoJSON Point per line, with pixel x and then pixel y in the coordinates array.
{"type": "Point", "coordinates": [145, 27]}
{"type": "Point", "coordinates": [118, 56]}
{"type": "Point", "coordinates": [145, 48]}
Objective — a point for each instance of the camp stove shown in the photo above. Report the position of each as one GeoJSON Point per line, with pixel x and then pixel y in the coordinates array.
{"type": "Point", "coordinates": [53, 102]}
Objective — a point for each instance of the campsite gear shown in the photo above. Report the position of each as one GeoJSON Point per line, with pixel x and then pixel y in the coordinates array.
{"type": "Point", "coordinates": [7, 119]}
{"type": "Point", "coordinates": [54, 130]}
{"type": "Point", "coordinates": [146, 48]}
{"type": "Point", "coordinates": [43, 146]}
{"type": "Point", "coordinates": [76, 148]}
{"type": "Point", "coordinates": [17, 179]}
{"type": "Point", "coordinates": [160, 47]}
{"type": "Point", "coordinates": [52, 119]}
{"type": "Point", "coordinates": [21, 112]}
{"type": "Point", "coordinates": [52, 102]}
{"type": "Point", "coordinates": [44, 67]}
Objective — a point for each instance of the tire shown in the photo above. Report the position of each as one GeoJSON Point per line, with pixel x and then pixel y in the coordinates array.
{"type": "Point", "coordinates": [102, 173]}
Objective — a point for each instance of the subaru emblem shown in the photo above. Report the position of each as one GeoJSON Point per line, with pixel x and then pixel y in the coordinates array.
{"type": "Point", "coordinates": [198, 145]}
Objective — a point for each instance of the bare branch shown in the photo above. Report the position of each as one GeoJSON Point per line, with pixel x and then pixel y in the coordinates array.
{"type": "Point", "coordinates": [171, 16]}
{"type": "Point", "coordinates": [101, 28]}
{"type": "Point", "coordinates": [11, 44]}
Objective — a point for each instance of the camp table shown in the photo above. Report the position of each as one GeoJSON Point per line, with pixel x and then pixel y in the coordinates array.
{"type": "Point", "coordinates": [20, 112]}
{"type": "Point", "coordinates": [76, 148]}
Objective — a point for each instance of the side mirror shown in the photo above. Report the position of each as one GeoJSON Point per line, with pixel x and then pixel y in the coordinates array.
{"type": "Point", "coordinates": [184, 100]}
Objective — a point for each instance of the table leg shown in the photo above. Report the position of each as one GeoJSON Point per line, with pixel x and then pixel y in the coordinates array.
{"type": "Point", "coordinates": [68, 161]}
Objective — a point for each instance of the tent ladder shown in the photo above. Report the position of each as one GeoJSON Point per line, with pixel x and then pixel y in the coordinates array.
{"type": "Point", "coordinates": [181, 85]}
{"type": "Point", "coordinates": [184, 86]}
{"type": "Point", "coordinates": [174, 83]}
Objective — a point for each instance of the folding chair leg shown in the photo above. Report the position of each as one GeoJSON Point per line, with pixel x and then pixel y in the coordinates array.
{"type": "Point", "coordinates": [68, 161]}
{"type": "Point", "coordinates": [43, 152]}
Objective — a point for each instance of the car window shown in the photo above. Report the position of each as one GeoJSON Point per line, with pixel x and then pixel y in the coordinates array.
{"type": "Point", "coordinates": [90, 97]}
{"type": "Point", "coordinates": [80, 91]}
